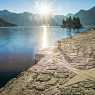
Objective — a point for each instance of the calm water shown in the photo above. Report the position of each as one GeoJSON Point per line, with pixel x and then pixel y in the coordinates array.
{"type": "Point", "coordinates": [19, 44]}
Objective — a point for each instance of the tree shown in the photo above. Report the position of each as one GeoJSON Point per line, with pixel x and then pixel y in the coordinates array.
{"type": "Point", "coordinates": [72, 23]}
{"type": "Point", "coordinates": [78, 24]}
{"type": "Point", "coordinates": [68, 23]}
{"type": "Point", "coordinates": [64, 23]}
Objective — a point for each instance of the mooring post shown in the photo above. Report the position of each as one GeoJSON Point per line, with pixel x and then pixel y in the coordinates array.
{"type": "Point", "coordinates": [59, 45]}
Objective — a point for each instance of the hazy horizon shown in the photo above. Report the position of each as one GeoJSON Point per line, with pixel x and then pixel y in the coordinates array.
{"type": "Point", "coordinates": [60, 7]}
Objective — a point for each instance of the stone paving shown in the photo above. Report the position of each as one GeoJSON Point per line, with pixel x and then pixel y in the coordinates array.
{"type": "Point", "coordinates": [55, 73]}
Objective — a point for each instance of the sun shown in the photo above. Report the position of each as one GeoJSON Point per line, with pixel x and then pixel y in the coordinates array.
{"type": "Point", "coordinates": [43, 8]}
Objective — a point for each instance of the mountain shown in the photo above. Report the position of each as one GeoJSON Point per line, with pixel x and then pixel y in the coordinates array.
{"type": "Point", "coordinates": [56, 20]}
{"type": "Point", "coordinates": [4, 23]}
{"type": "Point", "coordinates": [87, 17]}
{"type": "Point", "coordinates": [18, 19]}
{"type": "Point", "coordinates": [29, 19]}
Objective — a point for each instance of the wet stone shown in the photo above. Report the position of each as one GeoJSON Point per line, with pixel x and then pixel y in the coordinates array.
{"type": "Point", "coordinates": [31, 92]}
{"type": "Point", "coordinates": [43, 77]}
{"type": "Point", "coordinates": [52, 68]}
{"type": "Point", "coordinates": [39, 86]}
{"type": "Point", "coordinates": [29, 86]}
{"type": "Point", "coordinates": [75, 86]}
{"type": "Point", "coordinates": [76, 91]}
{"type": "Point", "coordinates": [61, 81]}
{"type": "Point", "coordinates": [59, 75]}
{"type": "Point", "coordinates": [53, 81]}
{"type": "Point", "coordinates": [52, 91]}
{"type": "Point", "coordinates": [89, 92]}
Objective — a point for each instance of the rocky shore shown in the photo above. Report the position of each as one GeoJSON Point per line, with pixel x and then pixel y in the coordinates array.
{"type": "Point", "coordinates": [69, 70]}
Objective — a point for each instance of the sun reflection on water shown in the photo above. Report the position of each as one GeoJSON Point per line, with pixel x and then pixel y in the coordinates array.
{"type": "Point", "coordinates": [44, 37]}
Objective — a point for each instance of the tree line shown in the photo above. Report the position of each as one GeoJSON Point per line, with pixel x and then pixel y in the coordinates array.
{"type": "Point", "coordinates": [72, 23]}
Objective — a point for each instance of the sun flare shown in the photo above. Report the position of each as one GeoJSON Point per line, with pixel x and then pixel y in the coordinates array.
{"type": "Point", "coordinates": [43, 8]}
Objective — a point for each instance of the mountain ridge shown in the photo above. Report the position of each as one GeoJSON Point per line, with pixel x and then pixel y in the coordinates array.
{"type": "Point", "coordinates": [26, 18]}
{"type": "Point", "coordinates": [87, 17]}
{"type": "Point", "coordinates": [4, 23]}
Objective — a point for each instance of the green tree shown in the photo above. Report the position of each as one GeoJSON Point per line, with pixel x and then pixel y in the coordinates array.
{"type": "Point", "coordinates": [64, 23]}
{"type": "Point", "coordinates": [68, 23]}
{"type": "Point", "coordinates": [72, 23]}
{"type": "Point", "coordinates": [78, 24]}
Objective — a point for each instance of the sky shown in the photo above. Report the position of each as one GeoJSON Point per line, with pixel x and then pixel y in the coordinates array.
{"type": "Point", "coordinates": [58, 6]}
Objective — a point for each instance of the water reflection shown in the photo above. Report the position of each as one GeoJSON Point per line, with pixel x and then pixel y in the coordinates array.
{"type": "Point", "coordinates": [4, 37]}
{"type": "Point", "coordinates": [19, 44]}
{"type": "Point", "coordinates": [45, 37]}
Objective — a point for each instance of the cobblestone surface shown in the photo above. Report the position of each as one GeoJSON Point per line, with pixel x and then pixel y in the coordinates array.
{"type": "Point", "coordinates": [51, 73]}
